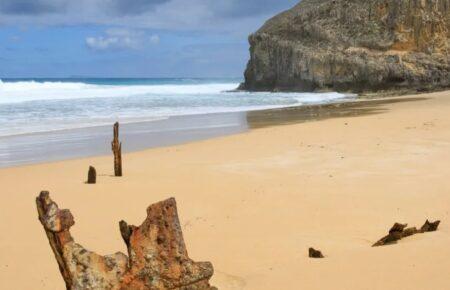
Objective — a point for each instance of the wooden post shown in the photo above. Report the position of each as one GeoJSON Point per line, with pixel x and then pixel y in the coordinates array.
{"type": "Point", "coordinates": [92, 175]}
{"type": "Point", "coordinates": [117, 150]}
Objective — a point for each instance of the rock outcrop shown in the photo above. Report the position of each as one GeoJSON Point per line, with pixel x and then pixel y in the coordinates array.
{"type": "Point", "coordinates": [353, 45]}
{"type": "Point", "coordinates": [157, 257]}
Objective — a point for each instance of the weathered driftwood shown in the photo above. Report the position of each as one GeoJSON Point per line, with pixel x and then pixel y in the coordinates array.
{"type": "Point", "coordinates": [316, 254]}
{"type": "Point", "coordinates": [430, 226]}
{"type": "Point", "coordinates": [157, 257]}
{"type": "Point", "coordinates": [395, 234]}
{"type": "Point", "coordinates": [409, 232]}
{"type": "Point", "coordinates": [116, 147]}
{"type": "Point", "coordinates": [400, 231]}
{"type": "Point", "coordinates": [92, 175]}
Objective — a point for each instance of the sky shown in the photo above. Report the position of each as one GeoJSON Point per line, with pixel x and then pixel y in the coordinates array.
{"type": "Point", "coordinates": [129, 38]}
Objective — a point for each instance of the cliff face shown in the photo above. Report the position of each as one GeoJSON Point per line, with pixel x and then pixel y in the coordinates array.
{"type": "Point", "coordinates": [353, 45]}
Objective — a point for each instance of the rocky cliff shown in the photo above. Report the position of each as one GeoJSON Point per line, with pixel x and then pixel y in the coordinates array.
{"type": "Point", "coordinates": [353, 45]}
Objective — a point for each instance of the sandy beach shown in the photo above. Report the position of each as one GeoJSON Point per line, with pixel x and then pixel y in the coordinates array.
{"type": "Point", "coordinates": [253, 203]}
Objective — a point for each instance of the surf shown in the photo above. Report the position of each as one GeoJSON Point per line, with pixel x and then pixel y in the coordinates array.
{"type": "Point", "coordinates": [31, 106]}
{"type": "Point", "coordinates": [25, 91]}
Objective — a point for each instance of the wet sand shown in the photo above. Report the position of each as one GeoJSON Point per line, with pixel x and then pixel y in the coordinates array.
{"type": "Point", "coordinates": [294, 115]}
{"type": "Point", "coordinates": [60, 145]}
{"type": "Point", "coordinates": [253, 203]}
{"type": "Point", "coordinates": [95, 141]}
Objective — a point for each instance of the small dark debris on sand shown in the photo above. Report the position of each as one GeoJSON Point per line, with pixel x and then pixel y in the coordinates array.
{"type": "Point", "coordinates": [92, 175]}
{"type": "Point", "coordinates": [400, 231]}
{"type": "Point", "coordinates": [430, 226]}
{"type": "Point", "coordinates": [315, 254]}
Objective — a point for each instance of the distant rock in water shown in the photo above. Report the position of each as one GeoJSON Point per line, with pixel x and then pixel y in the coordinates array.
{"type": "Point", "coordinates": [353, 45]}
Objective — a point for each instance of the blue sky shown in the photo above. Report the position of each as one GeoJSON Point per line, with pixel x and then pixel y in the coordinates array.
{"type": "Point", "coordinates": [129, 38]}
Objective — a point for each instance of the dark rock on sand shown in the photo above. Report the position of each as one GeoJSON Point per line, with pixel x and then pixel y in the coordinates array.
{"type": "Point", "coordinates": [353, 45]}
{"type": "Point", "coordinates": [157, 257]}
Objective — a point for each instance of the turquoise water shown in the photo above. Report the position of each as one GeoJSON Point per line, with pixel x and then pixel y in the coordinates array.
{"type": "Point", "coordinates": [44, 105]}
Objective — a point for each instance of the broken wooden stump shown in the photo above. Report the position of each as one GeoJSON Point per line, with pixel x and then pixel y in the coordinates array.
{"type": "Point", "coordinates": [316, 254]}
{"type": "Point", "coordinates": [157, 256]}
{"type": "Point", "coordinates": [92, 176]}
{"type": "Point", "coordinates": [430, 226]}
{"type": "Point", "coordinates": [400, 231]}
{"type": "Point", "coordinates": [116, 147]}
{"type": "Point", "coordinates": [397, 228]}
{"type": "Point", "coordinates": [409, 232]}
{"type": "Point", "coordinates": [395, 234]}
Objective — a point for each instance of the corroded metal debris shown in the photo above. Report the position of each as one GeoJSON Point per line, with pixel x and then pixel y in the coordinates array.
{"type": "Point", "coordinates": [313, 253]}
{"type": "Point", "coordinates": [157, 256]}
{"type": "Point", "coordinates": [400, 231]}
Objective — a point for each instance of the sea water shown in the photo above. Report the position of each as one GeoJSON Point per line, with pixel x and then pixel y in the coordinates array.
{"type": "Point", "coordinates": [44, 105]}
{"type": "Point", "coordinates": [45, 120]}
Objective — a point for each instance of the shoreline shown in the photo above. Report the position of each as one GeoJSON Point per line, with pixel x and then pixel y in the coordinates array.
{"type": "Point", "coordinates": [253, 203]}
{"type": "Point", "coordinates": [68, 144]}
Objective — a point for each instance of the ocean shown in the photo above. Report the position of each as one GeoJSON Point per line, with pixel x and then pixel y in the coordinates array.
{"type": "Point", "coordinates": [42, 105]}
{"type": "Point", "coordinates": [54, 119]}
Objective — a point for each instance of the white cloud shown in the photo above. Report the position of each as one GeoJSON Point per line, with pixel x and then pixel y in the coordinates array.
{"type": "Point", "coordinates": [101, 43]}
{"type": "Point", "coordinates": [119, 38]}
{"type": "Point", "coordinates": [154, 39]}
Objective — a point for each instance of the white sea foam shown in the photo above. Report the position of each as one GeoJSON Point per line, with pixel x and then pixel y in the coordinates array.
{"type": "Point", "coordinates": [23, 91]}
{"type": "Point", "coordinates": [30, 106]}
